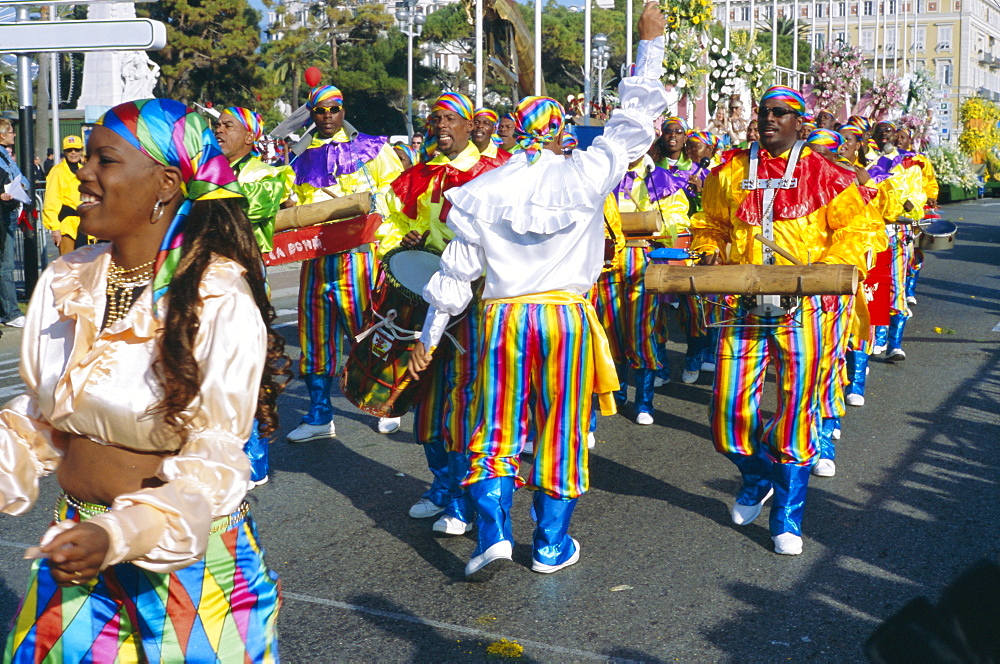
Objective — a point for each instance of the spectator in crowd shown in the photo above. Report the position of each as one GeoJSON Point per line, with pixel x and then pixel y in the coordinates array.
{"type": "Point", "coordinates": [9, 208]}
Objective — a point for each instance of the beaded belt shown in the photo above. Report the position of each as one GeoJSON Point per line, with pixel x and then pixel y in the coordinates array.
{"type": "Point", "coordinates": [93, 509]}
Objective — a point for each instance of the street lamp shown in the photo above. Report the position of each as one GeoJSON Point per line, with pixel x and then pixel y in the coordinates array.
{"type": "Point", "coordinates": [600, 55]}
{"type": "Point", "coordinates": [406, 13]}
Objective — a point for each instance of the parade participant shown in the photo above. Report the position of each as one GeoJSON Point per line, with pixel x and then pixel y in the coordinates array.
{"type": "Point", "coordinates": [505, 130]}
{"type": "Point", "coordinates": [484, 123]}
{"type": "Point", "coordinates": [444, 418]}
{"type": "Point", "coordinates": [335, 290]}
{"type": "Point", "coordinates": [145, 361]}
{"type": "Point", "coordinates": [808, 125]}
{"type": "Point", "coordinates": [62, 197]}
{"type": "Point", "coordinates": [239, 131]}
{"type": "Point", "coordinates": [826, 120]}
{"type": "Point", "coordinates": [904, 142]}
{"type": "Point", "coordinates": [908, 181]}
{"type": "Point", "coordinates": [569, 143]}
{"type": "Point", "coordinates": [819, 218]}
{"type": "Point", "coordinates": [407, 157]}
{"type": "Point", "coordinates": [645, 187]}
{"type": "Point", "coordinates": [536, 226]}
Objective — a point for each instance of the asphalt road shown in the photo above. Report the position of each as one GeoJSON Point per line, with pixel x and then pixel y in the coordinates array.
{"type": "Point", "coordinates": [664, 575]}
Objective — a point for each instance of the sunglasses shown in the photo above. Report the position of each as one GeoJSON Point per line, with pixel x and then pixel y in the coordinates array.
{"type": "Point", "coordinates": [777, 112]}
{"type": "Point", "coordinates": [679, 132]}
{"type": "Point", "coordinates": [323, 110]}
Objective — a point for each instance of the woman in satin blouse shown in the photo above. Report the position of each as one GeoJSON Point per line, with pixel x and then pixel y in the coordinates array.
{"type": "Point", "coordinates": [136, 356]}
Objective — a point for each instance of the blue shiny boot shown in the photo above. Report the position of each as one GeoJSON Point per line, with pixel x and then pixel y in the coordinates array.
{"type": "Point", "coordinates": [894, 338]}
{"type": "Point", "coordinates": [644, 392]}
{"type": "Point", "coordinates": [552, 547]}
{"type": "Point", "coordinates": [320, 407]}
{"type": "Point", "coordinates": [438, 496]}
{"type": "Point", "coordinates": [256, 449]}
{"type": "Point", "coordinates": [621, 394]}
{"type": "Point", "coordinates": [493, 499]}
{"type": "Point", "coordinates": [881, 339]}
{"type": "Point", "coordinates": [825, 466]}
{"type": "Point", "coordinates": [663, 373]}
{"type": "Point", "coordinates": [711, 349]}
{"type": "Point", "coordinates": [756, 489]}
{"type": "Point", "coordinates": [857, 372]}
{"type": "Point", "coordinates": [790, 483]}
{"type": "Point", "coordinates": [459, 514]}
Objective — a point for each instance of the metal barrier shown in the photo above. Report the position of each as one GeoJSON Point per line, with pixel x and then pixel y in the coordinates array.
{"type": "Point", "coordinates": [33, 246]}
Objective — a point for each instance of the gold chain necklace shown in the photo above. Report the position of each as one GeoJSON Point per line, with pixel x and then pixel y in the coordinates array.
{"type": "Point", "coordinates": [121, 288]}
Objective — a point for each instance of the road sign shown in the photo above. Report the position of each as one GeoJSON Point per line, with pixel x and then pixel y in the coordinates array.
{"type": "Point", "coordinates": [137, 34]}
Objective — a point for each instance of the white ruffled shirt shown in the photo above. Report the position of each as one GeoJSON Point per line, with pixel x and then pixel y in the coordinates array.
{"type": "Point", "coordinates": [540, 227]}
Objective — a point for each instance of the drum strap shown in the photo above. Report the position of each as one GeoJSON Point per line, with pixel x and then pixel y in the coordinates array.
{"type": "Point", "coordinates": [770, 187]}
{"type": "Point", "coordinates": [387, 325]}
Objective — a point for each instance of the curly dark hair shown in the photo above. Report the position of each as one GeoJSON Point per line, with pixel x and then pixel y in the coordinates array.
{"type": "Point", "coordinates": [214, 227]}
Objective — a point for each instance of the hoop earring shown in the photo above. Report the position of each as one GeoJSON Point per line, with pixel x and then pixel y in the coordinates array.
{"type": "Point", "coordinates": [157, 211]}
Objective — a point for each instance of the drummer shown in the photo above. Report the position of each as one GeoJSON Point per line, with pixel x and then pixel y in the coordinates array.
{"type": "Point", "coordinates": [905, 144]}
{"type": "Point", "coordinates": [484, 124]}
{"type": "Point", "coordinates": [816, 224]}
{"type": "Point", "coordinates": [239, 131]}
{"type": "Point", "coordinates": [445, 416]}
{"type": "Point", "coordinates": [335, 290]}
{"type": "Point", "coordinates": [541, 253]}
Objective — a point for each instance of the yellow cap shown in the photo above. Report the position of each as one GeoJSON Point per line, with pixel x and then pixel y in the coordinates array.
{"type": "Point", "coordinates": [72, 143]}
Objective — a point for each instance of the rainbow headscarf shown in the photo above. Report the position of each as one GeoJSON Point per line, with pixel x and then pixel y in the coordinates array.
{"type": "Point", "coordinates": [861, 122]}
{"type": "Point", "coordinates": [487, 113]}
{"type": "Point", "coordinates": [853, 130]}
{"type": "Point", "coordinates": [537, 121]}
{"type": "Point", "coordinates": [704, 137]}
{"type": "Point", "coordinates": [673, 118]}
{"type": "Point", "coordinates": [252, 122]}
{"type": "Point", "coordinates": [569, 142]}
{"type": "Point", "coordinates": [786, 95]}
{"type": "Point", "coordinates": [892, 125]}
{"type": "Point", "coordinates": [825, 138]}
{"type": "Point", "coordinates": [325, 95]}
{"type": "Point", "coordinates": [168, 133]}
{"type": "Point", "coordinates": [448, 101]}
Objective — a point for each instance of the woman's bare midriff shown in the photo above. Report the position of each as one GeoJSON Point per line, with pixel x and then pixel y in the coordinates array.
{"type": "Point", "coordinates": [100, 473]}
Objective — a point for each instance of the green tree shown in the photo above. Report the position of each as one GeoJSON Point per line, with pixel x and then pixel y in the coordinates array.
{"type": "Point", "coordinates": [211, 50]}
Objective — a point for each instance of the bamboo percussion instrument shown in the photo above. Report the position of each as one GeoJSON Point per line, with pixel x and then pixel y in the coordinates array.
{"type": "Point", "coordinates": [792, 280]}
{"type": "Point", "coordinates": [342, 207]}
{"type": "Point", "coordinates": [641, 223]}
{"type": "Point", "coordinates": [778, 250]}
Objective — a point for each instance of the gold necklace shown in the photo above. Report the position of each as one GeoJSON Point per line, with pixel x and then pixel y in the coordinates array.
{"type": "Point", "coordinates": [121, 288]}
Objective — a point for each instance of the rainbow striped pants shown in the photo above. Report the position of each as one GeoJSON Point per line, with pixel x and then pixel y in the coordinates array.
{"type": "Point", "coordinates": [743, 357]}
{"type": "Point", "coordinates": [224, 608]}
{"type": "Point", "coordinates": [835, 322]}
{"type": "Point", "coordinates": [448, 412]}
{"type": "Point", "coordinates": [640, 308]}
{"type": "Point", "coordinates": [334, 293]}
{"type": "Point", "coordinates": [606, 296]}
{"type": "Point", "coordinates": [902, 253]}
{"type": "Point", "coordinates": [541, 349]}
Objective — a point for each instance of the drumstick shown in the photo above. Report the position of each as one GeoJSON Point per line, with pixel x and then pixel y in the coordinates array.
{"type": "Point", "coordinates": [328, 192]}
{"type": "Point", "coordinates": [778, 250]}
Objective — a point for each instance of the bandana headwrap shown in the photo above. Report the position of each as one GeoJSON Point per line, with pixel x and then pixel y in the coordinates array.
{"type": "Point", "coordinates": [487, 113]}
{"type": "Point", "coordinates": [852, 130]}
{"type": "Point", "coordinates": [676, 120]}
{"type": "Point", "coordinates": [448, 101]}
{"type": "Point", "coordinates": [809, 126]}
{"type": "Point", "coordinates": [252, 122]}
{"type": "Point", "coordinates": [325, 95]}
{"type": "Point", "coordinates": [891, 125]}
{"type": "Point", "coordinates": [569, 142]}
{"type": "Point", "coordinates": [537, 121]}
{"type": "Point", "coordinates": [168, 133]}
{"type": "Point", "coordinates": [861, 122]}
{"type": "Point", "coordinates": [825, 138]}
{"type": "Point", "coordinates": [704, 137]}
{"type": "Point", "coordinates": [786, 95]}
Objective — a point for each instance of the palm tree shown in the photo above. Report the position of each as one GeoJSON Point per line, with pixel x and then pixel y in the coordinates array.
{"type": "Point", "coordinates": [785, 27]}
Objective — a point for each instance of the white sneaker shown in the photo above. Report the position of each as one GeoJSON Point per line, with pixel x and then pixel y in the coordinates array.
{"type": "Point", "coordinates": [542, 568]}
{"type": "Point", "coordinates": [878, 349]}
{"type": "Point", "coordinates": [263, 480]}
{"type": "Point", "coordinates": [660, 382]}
{"type": "Point", "coordinates": [896, 355]}
{"type": "Point", "coordinates": [489, 562]}
{"type": "Point", "coordinates": [835, 434]}
{"type": "Point", "coordinates": [745, 514]}
{"type": "Point", "coordinates": [529, 447]}
{"type": "Point", "coordinates": [689, 377]}
{"type": "Point", "coordinates": [824, 468]}
{"type": "Point", "coordinates": [388, 424]}
{"type": "Point", "coordinates": [855, 400]}
{"type": "Point", "coordinates": [787, 544]}
{"type": "Point", "coordinates": [450, 525]}
{"type": "Point", "coordinates": [591, 440]}
{"type": "Point", "coordinates": [910, 299]}
{"type": "Point", "coordinates": [644, 419]}
{"type": "Point", "coordinates": [708, 366]}
{"type": "Point", "coordinates": [425, 509]}
{"type": "Point", "coordinates": [16, 322]}
{"type": "Point", "coordinates": [306, 432]}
